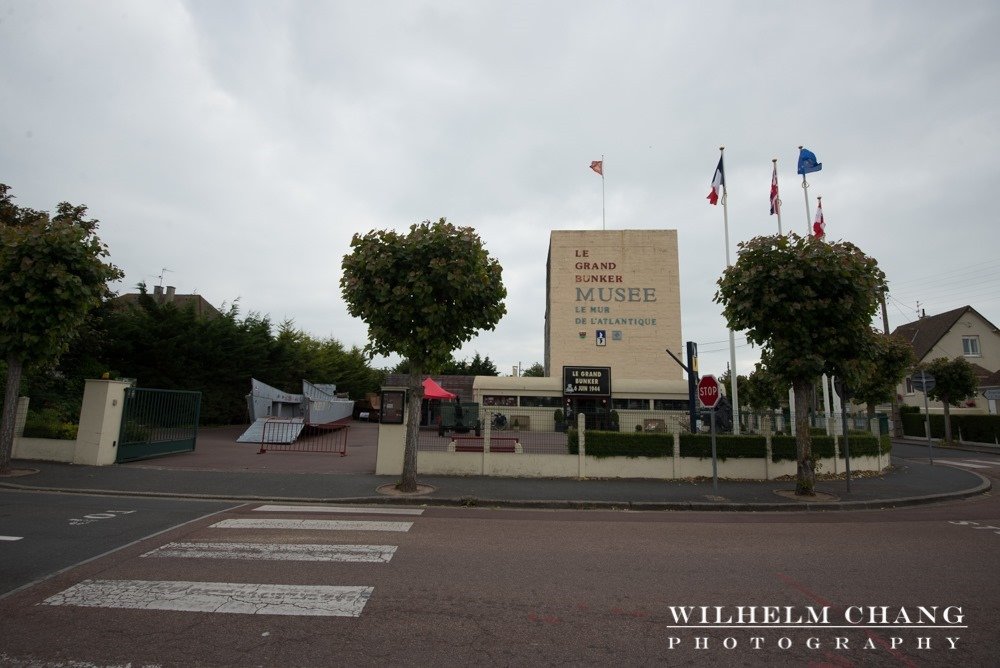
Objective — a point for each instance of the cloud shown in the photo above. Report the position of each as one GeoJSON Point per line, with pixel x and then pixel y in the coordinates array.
{"type": "Point", "coordinates": [241, 145]}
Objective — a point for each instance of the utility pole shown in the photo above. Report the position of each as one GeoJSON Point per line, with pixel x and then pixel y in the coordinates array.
{"type": "Point", "coordinates": [897, 427]}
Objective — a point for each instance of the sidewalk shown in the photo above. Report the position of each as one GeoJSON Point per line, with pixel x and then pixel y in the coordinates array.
{"type": "Point", "coordinates": [222, 469]}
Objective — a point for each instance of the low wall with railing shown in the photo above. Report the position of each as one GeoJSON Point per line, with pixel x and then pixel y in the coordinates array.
{"type": "Point", "coordinates": [536, 452]}
{"type": "Point", "coordinates": [512, 465]}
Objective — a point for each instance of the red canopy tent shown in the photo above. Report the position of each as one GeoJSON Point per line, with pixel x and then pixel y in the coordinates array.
{"type": "Point", "coordinates": [434, 391]}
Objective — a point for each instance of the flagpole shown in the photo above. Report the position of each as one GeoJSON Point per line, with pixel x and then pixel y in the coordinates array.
{"type": "Point", "coordinates": [732, 336]}
{"type": "Point", "coordinates": [805, 192]}
{"type": "Point", "coordinates": [777, 209]}
{"type": "Point", "coordinates": [603, 225]}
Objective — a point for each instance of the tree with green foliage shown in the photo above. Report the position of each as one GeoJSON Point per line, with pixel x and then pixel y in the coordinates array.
{"type": "Point", "coordinates": [479, 366]}
{"type": "Point", "coordinates": [536, 370]}
{"type": "Point", "coordinates": [422, 295]}
{"type": "Point", "coordinates": [765, 390]}
{"type": "Point", "coordinates": [52, 273]}
{"type": "Point", "coordinates": [809, 304]}
{"type": "Point", "coordinates": [954, 382]}
{"type": "Point", "coordinates": [171, 347]}
{"type": "Point", "coordinates": [872, 378]}
{"type": "Point", "coordinates": [726, 380]}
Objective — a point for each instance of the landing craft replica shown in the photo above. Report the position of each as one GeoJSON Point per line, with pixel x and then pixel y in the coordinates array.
{"type": "Point", "coordinates": [317, 405]}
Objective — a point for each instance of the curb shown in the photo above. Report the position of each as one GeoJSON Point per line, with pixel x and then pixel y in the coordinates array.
{"type": "Point", "coordinates": [475, 502]}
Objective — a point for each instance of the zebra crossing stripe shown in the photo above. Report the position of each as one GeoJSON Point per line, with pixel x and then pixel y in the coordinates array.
{"type": "Point", "coordinates": [267, 552]}
{"type": "Point", "coordinates": [957, 462]}
{"type": "Point", "coordinates": [339, 509]}
{"type": "Point", "coordinates": [11, 538]}
{"type": "Point", "coordinates": [223, 597]}
{"type": "Point", "coordinates": [321, 525]}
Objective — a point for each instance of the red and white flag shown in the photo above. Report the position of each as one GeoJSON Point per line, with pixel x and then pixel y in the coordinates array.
{"type": "Point", "coordinates": [598, 166]}
{"type": "Point", "coordinates": [775, 202]}
{"type": "Point", "coordinates": [718, 183]}
{"type": "Point", "coordinates": [819, 225]}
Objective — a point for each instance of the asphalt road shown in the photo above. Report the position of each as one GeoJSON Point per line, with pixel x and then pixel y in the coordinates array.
{"type": "Point", "coordinates": [42, 533]}
{"type": "Point", "coordinates": [473, 586]}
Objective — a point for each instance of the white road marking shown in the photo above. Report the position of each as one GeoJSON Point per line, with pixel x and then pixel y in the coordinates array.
{"type": "Point", "coordinates": [268, 552]}
{"type": "Point", "coordinates": [11, 537]}
{"type": "Point", "coordinates": [322, 525]}
{"type": "Point", "coordinates": [958, 462]}
{"type": "Point", "coordinates": [993, 462]}
{"type": "Point", "coordinates": [340, 509]}
{"type": "Point", "coordinates": [226, 597]}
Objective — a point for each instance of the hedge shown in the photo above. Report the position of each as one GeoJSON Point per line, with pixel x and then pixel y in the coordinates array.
{"type": "Point", "coordinates": [975, 428]}
{"type": "Point", "coordinates": [46, 423]}
{"type": "Point", "coordinates": [622, 444]}
{"type": "Point", "coordinates": [726, 446]}
{"type": "Point", "coordinates": [603, 444]}
{"type": "Point", "coordinates": [862, 445]}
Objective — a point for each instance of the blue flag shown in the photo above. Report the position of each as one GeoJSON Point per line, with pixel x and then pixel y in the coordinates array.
{"type": "Point", "coordinates": [807, 162]}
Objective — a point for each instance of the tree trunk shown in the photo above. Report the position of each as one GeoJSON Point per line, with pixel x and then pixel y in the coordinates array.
{"type": "Point", "coordinates": [946, 402]}
{"type": "Point", "coordinates": [9, 415]}
{"type": "Point", "coordinates": [806, 478]}
{"type": "Point", "coordinates": [414, 399]}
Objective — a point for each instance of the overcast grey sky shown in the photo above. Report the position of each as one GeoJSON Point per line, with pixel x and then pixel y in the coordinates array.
{"type": "Point", "coordinates": [241, 144]}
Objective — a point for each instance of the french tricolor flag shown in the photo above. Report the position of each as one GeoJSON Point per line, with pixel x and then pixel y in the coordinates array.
{"type": "Point", "coordinates": [718, 183]}
{"type": "Point", "coordinates": [819, 224]}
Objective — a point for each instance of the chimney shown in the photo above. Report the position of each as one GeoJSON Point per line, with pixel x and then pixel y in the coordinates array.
{"type": "Point", "coordinates": [170, 293]}
{"type": "Point", "coordinates": [158, 293]}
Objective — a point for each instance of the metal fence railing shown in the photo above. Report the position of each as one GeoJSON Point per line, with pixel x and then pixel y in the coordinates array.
{"type": "Point", "coordinates": [537, 430]}
{"type": "Point", "coordinates": [279, 434]}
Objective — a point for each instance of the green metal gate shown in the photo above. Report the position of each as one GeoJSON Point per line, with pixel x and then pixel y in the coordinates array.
{"type": "Point", "coordinates": [157, 422]}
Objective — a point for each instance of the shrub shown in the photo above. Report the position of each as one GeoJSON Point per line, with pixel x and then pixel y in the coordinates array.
{"type": "Point", "coordinates": [726, 446]}
{"type": "Point", "coordinates": [622, 444]}
{"type": "Point", "coordinates": [46, 423]}
{"type": "Point", "coordinates": [862, 444]}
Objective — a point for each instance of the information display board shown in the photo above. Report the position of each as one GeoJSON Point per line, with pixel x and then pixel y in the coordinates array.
{"type": "Point", "coordinates": [392, 406]}
{"type": "Point", "coordinates": [587, 381]}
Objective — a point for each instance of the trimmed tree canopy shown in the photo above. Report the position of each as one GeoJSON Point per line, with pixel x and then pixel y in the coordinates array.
{"type": "Point", "coordinates": [422, 294]}
{"type": "Point", "coordinates": [810, 302]}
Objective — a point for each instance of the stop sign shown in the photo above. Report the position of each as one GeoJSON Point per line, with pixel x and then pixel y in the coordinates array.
{"type": "Point", "coordinates": [708, 391]}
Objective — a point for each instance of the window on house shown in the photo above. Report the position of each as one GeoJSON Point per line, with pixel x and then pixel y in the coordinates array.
{"type": "Point", "coordinates": [909, 385]}
{"type": "Point", "coordinates": [970, 346]}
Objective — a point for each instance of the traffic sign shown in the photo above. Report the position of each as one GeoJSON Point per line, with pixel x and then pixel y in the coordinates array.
{"type": "Point", "coordinates": [922, 381]}
{"type": "Point", "coordinates": [708, 391]}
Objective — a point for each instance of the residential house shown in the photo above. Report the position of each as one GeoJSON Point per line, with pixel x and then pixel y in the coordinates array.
{"type": "Point", "coordinates": [201, 306]}
{"type": "Point", "coordinates": [962, 332]}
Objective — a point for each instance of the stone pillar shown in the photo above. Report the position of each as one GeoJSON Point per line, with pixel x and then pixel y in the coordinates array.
{"type": "Point", "coordinates": [391, 443]}
{"type": "Point", "coordinates": [100, 422]}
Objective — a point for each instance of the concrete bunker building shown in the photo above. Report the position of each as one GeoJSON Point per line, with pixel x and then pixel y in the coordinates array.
{"type": "Point", "coordinates": [612, 309]}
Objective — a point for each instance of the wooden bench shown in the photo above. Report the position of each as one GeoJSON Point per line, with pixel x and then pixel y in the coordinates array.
{"type": "Point", "coordinates": [475, 444]}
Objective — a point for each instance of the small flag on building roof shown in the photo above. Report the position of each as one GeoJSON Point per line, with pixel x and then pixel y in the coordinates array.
{"type": "Point", "coordinates": [807, 162]}
{"type": "Point", "coordinates": [718, 183]}
{"type": "Point", "coordinates": [598, 166]}
{"type": "Point", "coordinates": [819, 225]}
